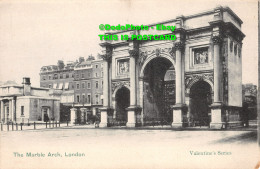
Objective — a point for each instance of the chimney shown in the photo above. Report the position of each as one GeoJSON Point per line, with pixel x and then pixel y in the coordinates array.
{"type": "Point", "coordinates": [81, 59]}
{"type": "Point", "coordinates": [60, 64]}
{"type": "Point", "coordinates": [26, 86]}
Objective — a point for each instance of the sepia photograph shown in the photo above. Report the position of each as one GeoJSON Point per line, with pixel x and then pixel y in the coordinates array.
{"type": "Point", "coordinates": [120, 84]}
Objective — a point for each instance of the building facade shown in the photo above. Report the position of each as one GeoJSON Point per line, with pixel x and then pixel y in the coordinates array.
{"type": "Point", "coordinates": [205, 65]}
{"type": "Point", "coordinates": [23, 103]}
{"type": "Point", "coordinates": [79, 85]}
{"type": "Point", "coordinates": [60, 79]}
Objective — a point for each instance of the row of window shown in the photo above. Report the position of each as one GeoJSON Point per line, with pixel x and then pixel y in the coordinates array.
{"type": "Point", "coordinates": [59, 85]}
{"type": "Point", "coordinates": [78, 86]}
{"type": "Point", "coordinates": [88, 85]}
{"type": "Point", "coordinates": [87, 99]}
{"type": "Point", "coordinates": [64, 76]}
{"type": "Point", "coordinates": [89, 75]}
{"type": "Point", "coordinates": [58, 76]}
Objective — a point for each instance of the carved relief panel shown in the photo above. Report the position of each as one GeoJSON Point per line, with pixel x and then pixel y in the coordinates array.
{"type": "Point", "coordinates": [200, 57]}
{"type": "Point", "coordinates": [122, 67]}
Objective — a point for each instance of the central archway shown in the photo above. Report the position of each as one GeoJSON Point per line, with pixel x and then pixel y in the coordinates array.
{"type": "Point", "coordinates": [158, 90]}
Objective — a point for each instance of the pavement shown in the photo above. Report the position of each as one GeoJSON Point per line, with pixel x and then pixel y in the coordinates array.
{"type": "Point", "coordinates": [131, 148]}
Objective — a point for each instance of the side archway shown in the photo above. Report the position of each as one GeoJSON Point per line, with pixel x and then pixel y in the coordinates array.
{"type": "Point", "coordinates": [191, 80]}
{"type": "Point", "coordinates": [122, 101]}
{"type": "Point", "coordinates": [200, 101]}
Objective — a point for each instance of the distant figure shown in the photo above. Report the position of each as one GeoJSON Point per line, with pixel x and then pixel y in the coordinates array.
{"type": "Point", "coordinates": [96, 123]}
{"type": "Point", "coordinates": [45, 118]}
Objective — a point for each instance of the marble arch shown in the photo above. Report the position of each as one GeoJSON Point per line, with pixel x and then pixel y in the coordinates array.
{"type": "Point", "coordinates": [201, 51]}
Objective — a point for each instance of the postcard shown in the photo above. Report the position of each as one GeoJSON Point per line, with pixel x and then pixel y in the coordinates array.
{"type": "Point", "coordinates": [129, 84]}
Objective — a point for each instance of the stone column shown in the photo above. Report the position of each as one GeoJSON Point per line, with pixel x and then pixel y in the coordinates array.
{"type": "Point", "coordinates": [94, 111]}
{"type": "Point", "coordinates": [2, 111]}
{"type": "Point", "coordinates": [6, 114]}
{"type": "Point", "coordinates": [131, 111]}
{"type": "Point", "coordinates": [114, 105]}
{"type": "Point", "coordinates": [13, 110]}
{"type": "Point", "coordinates": [178, 108]}
{"type": "Point", "coordinates": [105, 83]}
{"type": "Point", "coordinates": [10, 117]}
{"type": "Point", "coordinates": [73, 115]}
{"type": "Point", "coordinates": [132, 81]}
{"type": "Point", "coordinates": [141, 86]}
{"type": "Point", "coordinates": [178, 71]}
{"type": "Point", "coordinates": [216, 41]}
{"type": "Point", "coordinates": [105, 109]}
{"type": "Point", "coordinates": [216, 107]}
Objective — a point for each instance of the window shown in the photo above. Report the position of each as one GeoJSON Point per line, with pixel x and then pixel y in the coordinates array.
{"type": "Point", "coordinates": [22, 110]}
{"type": "Point", "coordinates": [78, 86]}
{"type": "Point", "coordinates": [82, 75]}
{"type": "Point", "coordinates": [55, 85]}
{"type": "Point", "coordinates": [102, 74]}
{"type": "Point", "coordinates": [60, 86]}
{"type": "Point", "coordinates": [67, 75]}
{"type": "Point", "coordinates": [83, 85]}
{"type": "Point", "coordinates": [66, 86]}
{"type": "Point", "coordinates": [55, 76]}
{"type": "Point", "coordinates": [83, 98]}
{"type": "Point", "coordinates": [88, 85]}
{"type": "Point", "coordinates": [78, 99]}
{"type": "Point", "coordinates": [72, 75]}
{"type": "Point", "coordinates": [49, 85]}
{"type": "Point", "coordinates": [96, 75]}
{"type": "Point", "coordinates": [96, 84]}
{"type": "Point", "coordinates": [61, 76]}
{"type": "Point", "coordinates": [44, 78]}
{"type": "Point", "coordinates": [49, 77]}
{"type": "Point", "coordinates": [64, 76]}
{"type": "Point", "coordinates": [96, 66]}
{"type": "Point", "coordinates": [96, 99]}
{"type": "Point", "coordinates": [102, 101]}
{"type": "Point", "coordinates": [88, 99]}
{"type": "Point", "coordinates": [89, 75]}
{"type": "Point", "coordinates": [102, 84]}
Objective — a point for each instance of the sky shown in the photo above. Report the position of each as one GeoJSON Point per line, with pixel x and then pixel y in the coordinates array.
{"type": "Point", "coordinates": [39, 33]}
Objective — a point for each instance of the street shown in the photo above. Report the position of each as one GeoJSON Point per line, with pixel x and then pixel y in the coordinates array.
{"type": "Point", "coordinates": [122, 148]}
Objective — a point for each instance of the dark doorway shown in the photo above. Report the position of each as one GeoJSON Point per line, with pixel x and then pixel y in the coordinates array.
{"type": "Point", "coordinates": [122, 102]}
{"type": "Point", "coordinates": [159, 90]}
{"type": "Point", "coordinates": [200, 100]}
